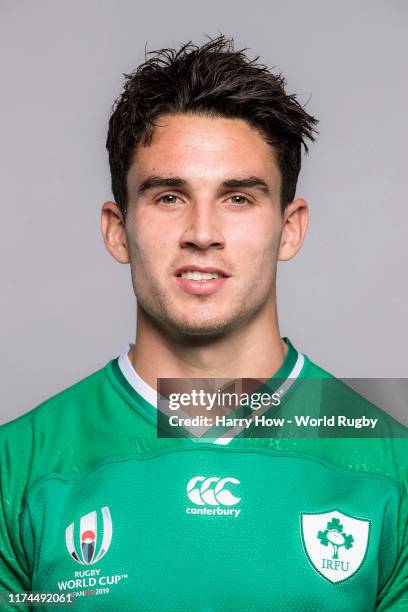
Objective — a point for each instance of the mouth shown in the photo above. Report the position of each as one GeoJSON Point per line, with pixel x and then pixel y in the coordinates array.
{"type": "Point", "coordinates": [198, 280]}
{"type": "Point", "coordinates": [199, 273]}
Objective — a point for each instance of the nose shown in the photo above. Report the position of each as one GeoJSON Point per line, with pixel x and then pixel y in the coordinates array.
{"type": "Point", "coordinates": [202, 228]}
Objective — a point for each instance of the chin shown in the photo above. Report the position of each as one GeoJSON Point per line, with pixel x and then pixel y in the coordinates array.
{"type": "Point", "coordinates": [204, 328]}
{"type": "Point", "coordinates": [190, 323]}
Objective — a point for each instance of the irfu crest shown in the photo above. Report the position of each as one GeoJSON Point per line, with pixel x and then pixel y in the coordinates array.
{"type": "Point", "coordinates": [335, 543]}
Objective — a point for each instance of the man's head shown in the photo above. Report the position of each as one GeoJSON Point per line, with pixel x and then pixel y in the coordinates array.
{"type": "Point", "coordinates": [205, 151]}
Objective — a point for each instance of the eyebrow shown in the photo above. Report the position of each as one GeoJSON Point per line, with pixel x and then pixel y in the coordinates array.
{"type": "Point", "coordinates": [151, 182]}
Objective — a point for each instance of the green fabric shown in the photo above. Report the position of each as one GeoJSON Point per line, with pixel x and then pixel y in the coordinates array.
{"type": "Point", "coordinates": [93, 446]}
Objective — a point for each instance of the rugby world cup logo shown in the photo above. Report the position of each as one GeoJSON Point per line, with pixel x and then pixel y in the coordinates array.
{"type": "Point", "coordinates": [90, 537]}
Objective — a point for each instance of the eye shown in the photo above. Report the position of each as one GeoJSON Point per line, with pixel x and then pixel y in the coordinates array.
{"type": "Point", "coordinates": [168, 198]}
{"type": "Point", "coordinates": [240, 199]}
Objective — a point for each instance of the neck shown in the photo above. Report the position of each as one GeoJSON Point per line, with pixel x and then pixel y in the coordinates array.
{"type": "Point", "coordinates": [254, 350]}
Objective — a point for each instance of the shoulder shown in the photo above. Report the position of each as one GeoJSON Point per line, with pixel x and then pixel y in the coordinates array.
{"type": "Point", "coordinates": [50, 434]}
{"type": "Point", "coordinates": [343, 395]}
{"type": "Point", "coordinates": [54, 408]}
{"type": "Point", "coordinates": [361, 436]}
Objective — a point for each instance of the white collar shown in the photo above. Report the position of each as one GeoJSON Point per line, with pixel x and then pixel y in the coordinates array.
{"type": "Point", "coordinates": [150, 394]}
{"type": "Point", "coordinates": [133, 378]}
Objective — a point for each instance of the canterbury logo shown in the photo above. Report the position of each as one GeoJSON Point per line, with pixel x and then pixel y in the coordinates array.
{"type": "Point", "coordinates": [212, 491]}
{"type": "Point", "coordinates": [89, 553]}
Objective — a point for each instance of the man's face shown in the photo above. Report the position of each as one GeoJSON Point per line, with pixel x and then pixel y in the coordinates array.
{"type": "Point", "coordinates": [204, 195]}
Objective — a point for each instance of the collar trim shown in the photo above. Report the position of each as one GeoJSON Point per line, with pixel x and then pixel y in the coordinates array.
{"type": "Point", "coordinates": [144, 398]}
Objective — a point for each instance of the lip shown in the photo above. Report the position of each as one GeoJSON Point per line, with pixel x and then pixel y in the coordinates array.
{"type": "Point", "coordinates": [202, 287]}
{"type": "Point", "coordinates": [195, 268]}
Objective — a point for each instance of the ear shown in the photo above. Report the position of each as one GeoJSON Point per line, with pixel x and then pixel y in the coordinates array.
{"type": "Point", "coordinates": [113, 231]}
{"type": "Point", "coordinates": [295, 220]}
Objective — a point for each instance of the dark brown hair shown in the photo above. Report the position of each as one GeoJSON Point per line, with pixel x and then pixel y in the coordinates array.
{"type": "Point", "coordinates": [215, 80]}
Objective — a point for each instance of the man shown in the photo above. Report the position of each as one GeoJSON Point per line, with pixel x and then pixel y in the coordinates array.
{"type": "Point", "coordinates": [205, 150]}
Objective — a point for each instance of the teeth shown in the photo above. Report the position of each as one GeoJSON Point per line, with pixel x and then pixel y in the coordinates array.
{"type": "Point", "coordinates": [195, 275]}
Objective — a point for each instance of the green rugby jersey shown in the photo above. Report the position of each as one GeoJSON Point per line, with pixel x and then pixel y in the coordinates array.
{"type": "Point", "coordinates": [94, 503]}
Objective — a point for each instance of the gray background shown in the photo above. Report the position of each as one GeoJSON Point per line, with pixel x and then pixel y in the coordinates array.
{"type": "Point", "coordinates": [67, 307]}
